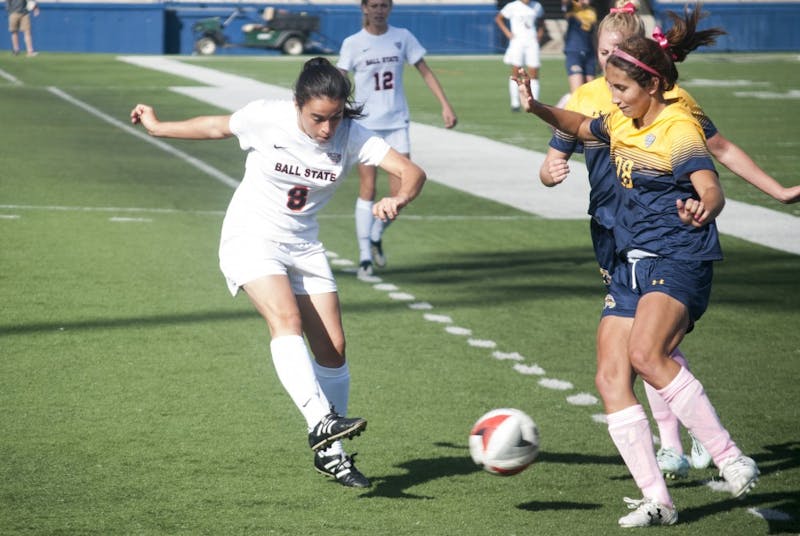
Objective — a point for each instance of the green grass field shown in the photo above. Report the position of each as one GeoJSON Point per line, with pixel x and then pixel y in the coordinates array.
{"type": "Point", "coordinates": [138, 398]}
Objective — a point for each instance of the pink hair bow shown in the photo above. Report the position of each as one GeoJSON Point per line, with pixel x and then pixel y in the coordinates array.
{"type": "Point", "coordinates": [627, 8]}
{"type": "Point", "coordinates": [661, 39]}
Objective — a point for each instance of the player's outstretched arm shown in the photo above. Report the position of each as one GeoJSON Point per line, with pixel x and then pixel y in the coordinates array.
{"type": "Point", "coordinates": [412, 178]}
{"type": "Point", "coordinates": [564, 120]}
{"type": "Point", "coordinates": [448, 114]}
{"type": "Point", "coordinates": [207, 127]}
{"type": "Point", "coordinates": [739, 162]}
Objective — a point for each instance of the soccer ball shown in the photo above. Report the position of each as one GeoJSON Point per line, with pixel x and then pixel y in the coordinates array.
{"type": "Point", "coordinates": [504, 441]}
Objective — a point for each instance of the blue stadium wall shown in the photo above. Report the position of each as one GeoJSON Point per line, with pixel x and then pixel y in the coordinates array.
{"type": "Point", "coordinates": [751, 27]}
{"type": "Point", "coordinates": [166, 28]}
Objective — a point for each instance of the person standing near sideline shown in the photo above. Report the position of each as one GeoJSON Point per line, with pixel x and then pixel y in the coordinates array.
{"type": "Point", "coordinates": [666, 234]}
{"type": "Point", "coordinates": [19, 21]}
{"type": "Point", "coordinates": [594, 99]}
{"type": "Point", "coordinates": [579, 42]}
{"type": "Point", "coordinates": [298, 153]}
{"type": "Point", "coordinates": [526, 30]}
{"type": "Point", "coordinates": [376, 55]}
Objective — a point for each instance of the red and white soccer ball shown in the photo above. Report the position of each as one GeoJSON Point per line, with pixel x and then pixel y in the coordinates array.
{"type": "Point", "coordinates": [504, 441]}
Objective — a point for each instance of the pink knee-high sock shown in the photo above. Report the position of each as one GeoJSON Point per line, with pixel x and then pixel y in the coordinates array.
{"type": "Point", "coordinates": [687, 399]}
{"type": "Point", "coordinates": [630, 432]}
{"type": "Point", "coordinates": [669, 428]}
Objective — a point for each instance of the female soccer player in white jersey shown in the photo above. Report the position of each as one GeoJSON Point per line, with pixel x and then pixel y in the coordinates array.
{"type": "Point", "coordinates": [593, 99]}
{"type": "Point", "coordinates": [665, 232]}
{"type": "Point", "coordinates": [523, 43]}
{"type": "Point", "coordinates": [376, 56]}
{"type": "Point", "coordinates": [298, 152]}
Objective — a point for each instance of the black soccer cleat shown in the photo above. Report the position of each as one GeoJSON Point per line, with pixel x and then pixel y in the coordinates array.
{"type": "Point", "coordinates": [376, 250]}
{"type": "Point", "coordinates": [333, 427]}
{"type": "Point", "coordinates": [342, 468]}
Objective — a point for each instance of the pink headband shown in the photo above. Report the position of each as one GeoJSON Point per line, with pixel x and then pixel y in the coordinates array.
{"type": "Point", "coordinates": [627, 8]}
{"type": "Point", "coordinates": [661, 39]}
{"type": "Point", "coordinates": [627, 57]}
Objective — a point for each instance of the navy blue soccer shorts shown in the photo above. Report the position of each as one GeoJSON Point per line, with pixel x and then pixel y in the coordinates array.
{"type": "Point", "coordinates": [689, 282]}
{"type": "Point", "coordinates": [581, 63]}
{"type": "Point", "coordinates": [605, 250]}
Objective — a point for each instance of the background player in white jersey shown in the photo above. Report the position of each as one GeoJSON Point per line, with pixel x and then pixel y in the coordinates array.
{"type": "Point", "coordinates": [376, 56]}
{"type": "Point", "coordinates": [297, 155]}
{"type": "Point", "coordinates": [524, 17]}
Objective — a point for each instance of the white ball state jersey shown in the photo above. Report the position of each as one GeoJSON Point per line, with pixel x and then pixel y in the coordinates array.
{"type": "Point", "coordinates": [377, 63]}
{"type": "Point", "coordinates": [522, 18]}
{"type": "Point", "coordinates": [288, 176]}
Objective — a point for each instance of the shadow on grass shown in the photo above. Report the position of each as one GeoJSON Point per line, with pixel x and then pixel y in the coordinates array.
{"type": "Point", "coordinates": [418, 472]}
{"type": "Point", "coordinates": [773, 507]}
{"type": "Point", "coordinates": [538, 506]}
{"type": "Point", "coordinates": [425, 470]}
{"type": "Point", "coordinates": [785, 456]}
{"type": "Point", "coordinates": [468, 278]}
{"type": "Point", "coordinates": [126, 322]}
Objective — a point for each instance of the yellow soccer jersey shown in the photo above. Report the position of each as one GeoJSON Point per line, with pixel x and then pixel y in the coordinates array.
{"type": "Point", "coordinates": [593, 99]}
{"type": "Point", "coordinates": [654, 164]}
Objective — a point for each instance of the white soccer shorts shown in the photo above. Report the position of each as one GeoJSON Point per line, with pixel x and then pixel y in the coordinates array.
{"type": "Point", "coordinates": [397, 138]}
{"type": "Point", "coordinates": [246, 258]}
{"type": "Point", "coordinates": [520, 52]}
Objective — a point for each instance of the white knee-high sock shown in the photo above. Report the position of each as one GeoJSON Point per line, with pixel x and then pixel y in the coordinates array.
{"type": "Point", "coordinates": [513, 92]}
{"type": "Point", "coordinates": [535, 88]}
{"type": "Point", "coordinates": [364, 219]}
{"type": "Point", "coordinates": [630, 431]}
{"type": "Point", "coordinates": [688, 400]}
{"type": "Point", "coordinates": [293, 365]}
{"type": "Point", "coordinates": [335, 383]}
{"type": "Point", "coordinates": [378, 228]}
{"type": "Point", "coordinates": [669, 429]}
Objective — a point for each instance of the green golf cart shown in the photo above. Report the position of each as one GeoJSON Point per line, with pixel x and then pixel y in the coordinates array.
{"type": "Point", "coordinates": [282, 30]}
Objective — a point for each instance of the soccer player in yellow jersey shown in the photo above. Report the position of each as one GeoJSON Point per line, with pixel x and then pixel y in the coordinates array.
{"type": "Point", "coordinates": [669, 196]}
{"type": "Point", "coordinates": [592, 99]}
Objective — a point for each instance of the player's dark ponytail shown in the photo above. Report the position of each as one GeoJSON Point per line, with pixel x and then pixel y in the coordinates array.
{"type": "Point", "coordinates": [666, 50]}
{"type": "Point", "coordinates": [319, 78]}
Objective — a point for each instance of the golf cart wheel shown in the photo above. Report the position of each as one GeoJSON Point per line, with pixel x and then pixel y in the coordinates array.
{"type": "Point", "coordinates": [293, 46]}
{"type": "Point", "coordinates": [205, 46]}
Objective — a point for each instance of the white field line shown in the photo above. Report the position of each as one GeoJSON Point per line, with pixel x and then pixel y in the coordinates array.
{"type": "Point", "coordinates": [58, 208]}
{"type": "Point", "coordinates": [64, 208]}
{"type": "Point", "coordinates": [10, 77]}
{"type": "Point", "coordinates": [575, 399]}
{"type": "Point", "coordinates": [189, 159]}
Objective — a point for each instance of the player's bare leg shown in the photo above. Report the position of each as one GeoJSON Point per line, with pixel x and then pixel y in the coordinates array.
{"type": "Point", "coordinates": [660, 325]}
{"type": "Point", "coordinates": [628, 425]}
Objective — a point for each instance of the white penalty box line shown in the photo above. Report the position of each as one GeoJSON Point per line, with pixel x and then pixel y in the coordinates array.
{"type": "Point", "coordinates": [189, 159]}
{"type": "Point", "coordinates": [220, 213]}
